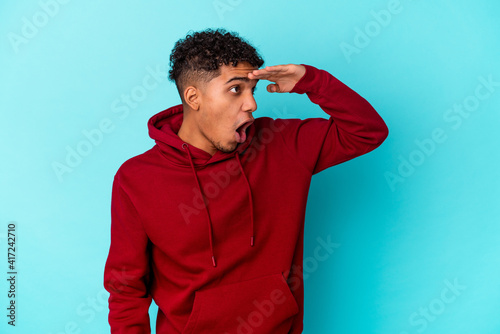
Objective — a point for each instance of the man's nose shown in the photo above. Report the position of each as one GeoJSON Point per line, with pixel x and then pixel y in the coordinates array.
{"type": "Point", "coordinates": [250, 103]}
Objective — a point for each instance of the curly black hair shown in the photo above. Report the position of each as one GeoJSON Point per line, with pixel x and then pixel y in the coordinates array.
{"type": "Point", "coordinates": [199, 55]}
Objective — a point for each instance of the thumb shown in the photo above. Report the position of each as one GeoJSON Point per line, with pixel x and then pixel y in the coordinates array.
{"type": "Point", "coordinates": [272, 88]}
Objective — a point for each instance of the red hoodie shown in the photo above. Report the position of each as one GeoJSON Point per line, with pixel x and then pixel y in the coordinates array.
{"type": "Point", "coordinates": [229, 262]}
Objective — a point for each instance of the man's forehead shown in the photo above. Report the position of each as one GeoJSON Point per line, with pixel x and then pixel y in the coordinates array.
{"type": "Point", "coordinates": [242, 67]}
{"type": "Point", "coordinates": [241, 70]}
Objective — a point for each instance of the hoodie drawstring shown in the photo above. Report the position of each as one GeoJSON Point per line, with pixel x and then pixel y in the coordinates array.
{"type": "Point", "coordinates": [204, 201]}
{"type": "Point", "coordinates": [209, 221]}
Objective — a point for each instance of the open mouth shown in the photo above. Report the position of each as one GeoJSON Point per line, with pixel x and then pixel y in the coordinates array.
{"type": "Point", "coordinates": [240, 132]}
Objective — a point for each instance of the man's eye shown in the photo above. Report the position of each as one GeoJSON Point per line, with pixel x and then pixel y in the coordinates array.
{"type": "Point", "coordinates": [236, 89]}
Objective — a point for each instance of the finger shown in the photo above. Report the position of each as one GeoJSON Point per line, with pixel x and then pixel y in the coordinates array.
{"type": "Point", "coordinates": [265, 76]}
{"type": "Point", "coordinates": [270, 69]}
{"type": "Point", "coordinates": [278, 68]}
{"type": "Point", "coordinates": [273, 88]}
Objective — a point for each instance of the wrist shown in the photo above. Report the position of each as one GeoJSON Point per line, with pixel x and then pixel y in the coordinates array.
{"type": "Point", "coordinates": [303, 84]}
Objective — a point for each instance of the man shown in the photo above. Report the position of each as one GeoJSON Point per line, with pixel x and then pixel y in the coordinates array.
{"type": "Point", "coordinates": [209, 222]}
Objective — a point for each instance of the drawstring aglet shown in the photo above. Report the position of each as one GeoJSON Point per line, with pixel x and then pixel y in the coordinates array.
{"type": "Point", "coordinates": [213, 260]}
{"type": "Point", "coordinates": [251, 241]}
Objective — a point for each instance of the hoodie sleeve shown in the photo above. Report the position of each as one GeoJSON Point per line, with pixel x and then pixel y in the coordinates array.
{"type": "Point", "coordinates": [126, 272]}
{"type": "Point", "coordinates": [353, 128]}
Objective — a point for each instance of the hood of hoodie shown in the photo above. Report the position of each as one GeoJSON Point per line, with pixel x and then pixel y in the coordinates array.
{"type": "Point", "coordinates": [163, 128]}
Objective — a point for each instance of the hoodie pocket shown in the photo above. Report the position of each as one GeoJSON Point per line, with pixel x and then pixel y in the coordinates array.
{"type": "Point", "coordinates": [262, 305]}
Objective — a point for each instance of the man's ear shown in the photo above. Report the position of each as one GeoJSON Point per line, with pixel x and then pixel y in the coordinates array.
{"type": "Point", "coordinates": [192, 96]}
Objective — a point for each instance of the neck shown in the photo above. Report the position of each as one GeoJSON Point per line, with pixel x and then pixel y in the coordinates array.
{"type": "Point", "coordinates": [189, 133]}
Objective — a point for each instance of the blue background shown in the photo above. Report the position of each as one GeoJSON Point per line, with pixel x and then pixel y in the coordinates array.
{"type": "Point", "coordinates": [409, 220]}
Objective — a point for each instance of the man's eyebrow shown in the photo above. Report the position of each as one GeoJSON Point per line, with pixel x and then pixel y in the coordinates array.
{"type": "Point", "coordinates": [239, 78]}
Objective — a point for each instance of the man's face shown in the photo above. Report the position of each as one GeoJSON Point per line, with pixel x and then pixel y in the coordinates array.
{"type": "Point", "coordinates": [226, 102]}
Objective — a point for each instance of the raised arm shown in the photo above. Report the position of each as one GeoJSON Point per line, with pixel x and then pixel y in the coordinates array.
{"type": "Point", "coordinates": [353, 128]}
